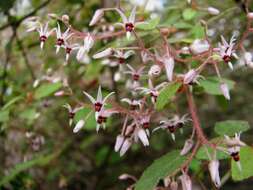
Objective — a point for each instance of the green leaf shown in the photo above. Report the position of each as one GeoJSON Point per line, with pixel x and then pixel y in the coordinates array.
{"type": "Point", "coordinates": [4, 115]}
{"type": "Point", "coordinates": [211, 85]}
{"type": "Point", "coordinates": [202, 153]}
{"type": "Point", "coordinates": [11, 102]}
{"type": "Point", "coordinates": [46, 90]}
{"type": "Point", "coordinates": [182, 25]}
{"type": "Point", "coordinates": [230, 127]}
{"type": "Point", "coordinates": [90, 122]}
{"type": "Point", "coordinates": [160, 169]}
{"type": "Point", "coordinates": [29, 114]}
{"type": "Point", "coordinates": [149, 25]}
{"type": "Point", "coordinates": [198, 32]}
{"type": "Point", "coordinates": [166, 94]}
{"type": "Point", "coordinates": [189, 14]}
{"type": "Point", "coordinates": [246, 160]}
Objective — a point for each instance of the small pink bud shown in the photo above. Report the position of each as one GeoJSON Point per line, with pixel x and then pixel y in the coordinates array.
{"type": "Point", "coordinates": [187, 147]}
{"type": "Point", "coordinates": [213, 167]}
{"type": "Point", "coordinates": [59, 93]}
{"type": "Point", "coordinates": [186, 181]}
{"type": "Point", "coordinates": [96, 17]}
{"type": "Point", "coordinates": [199, 46]}
{"type": "Point", "coordinates": [119, 142]}
{"type": "Point", "coordinates": [190, 76]}
{"type": "Point", "coordinates": [225, 90]}
{"type": "Point", "coordinates": [173, 185]}
{"type": "Point", "coordinates": [65, 18]}
{"type": "Point", "coordinates": [155, 70]}
{"type": "Point", "coordinates": [169, 66]}
{"type": "Point", "coordinates": [143, 137]}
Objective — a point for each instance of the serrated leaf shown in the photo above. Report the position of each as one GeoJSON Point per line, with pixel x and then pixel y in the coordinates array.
{"type": "Point", "coordinates": [246, 160]}
{"type": "Point", "coordinates": [166, 94]}
{"type": "Point", "coordinates": [149, 25]}
{"type": "Point", "coordinates": [160, 169]}
{"type": "Point", "coordinates": [230, 127]}
{"type": "Point", "coordinates": [202, 154]}
{"type": "Point", "coordinates": [211, 85]}
{"type": "Point", "coordinates": [189, 14]}
{"type": "Point", "coordinates": [46, 90]}
{"type": "Point", "coordinates": [90, 122]}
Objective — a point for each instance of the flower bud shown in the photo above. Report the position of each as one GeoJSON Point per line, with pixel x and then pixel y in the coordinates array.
{"type": "Point", "coordinates": [104, 53]}
{"type": "Point", "coordinates": [213, 11]}
{"type": "Point", "coordinates": [190, 76]}
{"type": "Point", "coordinates": [169, 66]}
{"type": "Point", "coordinates": [173, 185]}
{"type": "Point", "coordinates": [65, 18]}
{"type": "Point", "coordinates": [186, 181]}
{"type": "Point", "coordinates": [78, 126]}
{"type": "Point", "coordinates": [125, 146]}
{"type": "Point", "coordinates": [199, 46]}
{"type": "Point", "coordinates": [213, 167]}
{"type": "Point", "coordinates": [119, 142]}
{"type": "Point", "coordinates": [96, 17]}
{"type": "Point", "coordinates": [225, 90]}
{"type": "Point", "coordinates": [187, 147]}
{"type": "Point", "coordinates": [248, 59]}
{"type": "Point", "coordinates": [155, 70]}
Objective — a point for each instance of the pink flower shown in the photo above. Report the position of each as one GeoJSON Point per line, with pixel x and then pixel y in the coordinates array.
{"type": "Point", "coordinates": [88, 42]}
{"type": "Point", "coordinates": [192, 77]}
{"type": "Point", "coordinates": [99, 102]}
{"type": "Point", "coordinates": [136, 74]}
{"type": "Point", "coordinates": [186, 181]}
{"type": "Point", "coordinates": [128, 23]}
{"type": "Point", "coordinates": [213, 167]}
{"type": "Point", "coordinates": [105, 53]}
{"type": "Point", "coordinates": [101, 117]}
{"type": "Point", "coordinates": [72, 112]}
{"type": "Point", "coordinates": [187, 147]}
{"type": "Point", "coordinates": [213, 11]}
{"type": "Point", "coordinates": [61, 37]}
{"type": "Point", "coordinates": [132, 103]}
{"type": "Point", "coordinates": [199, 46]}
{"type": "Point", "coordinates": [169, 64]}
{"type": "Point", "coordinates": [44, 33]}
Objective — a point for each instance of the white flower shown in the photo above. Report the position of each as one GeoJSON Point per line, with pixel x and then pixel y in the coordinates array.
{"type": "Point", "coordinates": [119, 141]}
{"type": "Point", "coordinates": [69, 48]}
{"type": "Point", "coordinates": [186, 181]}
{"type": "Point", "coordinates": [122, 56]}
{"type": "Point", "coordinates": [101, 117]}
{"type": "Point", "coordinates": [96, 17]}
{"type": "Point", "coordinates": [88, 42]}
{"type": "Point", "coordinates": [213, 167]}
{"type": "Point", "coordinates": [145, 56]}
{"type": "Point", "coordinates": [125, 146]}
{"type": "Point", "coordinates": [99, 102]}
{"type": "Point", "coordinates": [199, 46]}
{"type": "Point", "coordinates": [44, 33]}
{"type": "Point", "coordinates": [32, 24]}
{"type": "Point", "coordinates": [105, 53]}
{"type": "Point", "coordinates": [213, 11]}
{"type": "Point", "coordinates": [136, 74]}
{"type": "Point", "coordinates": [225, 90]}
{"type": "Point", "coordinates": [227, 51]}
{"type": "Point", "coordinates": [187, 147]}
{"type": "Point", "coordinates": [128, 23]}
{"type": "Point", "coordinates": [61, 37]}
{"type": "Point", "coordinates": [72, 112]}
{"type": "Point", "coordinates": [78, 126]}
{"type": "Point", "coordinates": [143, 136]}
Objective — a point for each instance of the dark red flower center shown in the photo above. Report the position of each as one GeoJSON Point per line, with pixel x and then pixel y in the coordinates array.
{"type": "Point", "coordinates": [101, 119]}
{"type": "Point", "coordinates": [133, 107]}
{"type": "Point", "coordinates": [129, 27]}
{"type": "Point", "coordinates": [136, 77]}
{"type": "Point", "coordinates": [98, 106]}
{"type": "Point", "coordinates": [179, 125]}
{"type": "Point", "coordinates": [68, 50]}
{"type": "Point", "coordinates": [153, 95]}
{"type": "Point", "coordinates": [71, 115]}
{"type": "Point", "coordinates": [59, 42]}
{"type": "Point", "coordinates": [226, 58]}
{"type": "Point", "coordinates": [146, 125]}
{"type": "Point", "coordinates": [121, 60]}
{"type": "Point", "coordinates": [235, 156]}
{"type": "Point", "coordinates": [43, 38]}
{"type": "Point", "coordinates": [171, 128]}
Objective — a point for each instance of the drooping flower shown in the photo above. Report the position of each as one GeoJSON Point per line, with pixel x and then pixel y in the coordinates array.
{"type": "Point", "coordinates": [142, 135]}
{"type": "Point", "coordinates": [213, 167]}
{"type": "Point", "coordinates": [227, 50]}
{"type": "Point", "coordinates": [185, 181]}
{"type": "Point", "coordinates": [187, 146]}
{"type": "Point", "coordinates": [44, 33]}
{"type": "Point", "coordinates": [99, 102]}
{"type": "Point", "coordinates": [96, 17]}
{"type": "Point", "coordinates": [225, 90]}
{"type": "Point", "coordinates": [79, 125]}
{"type": "Point", "coordinates": [88, 42]}
{"type": "Point", "coordinates": [128, 23]}
{"type": "Point", "coordinates": [61, 37]}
